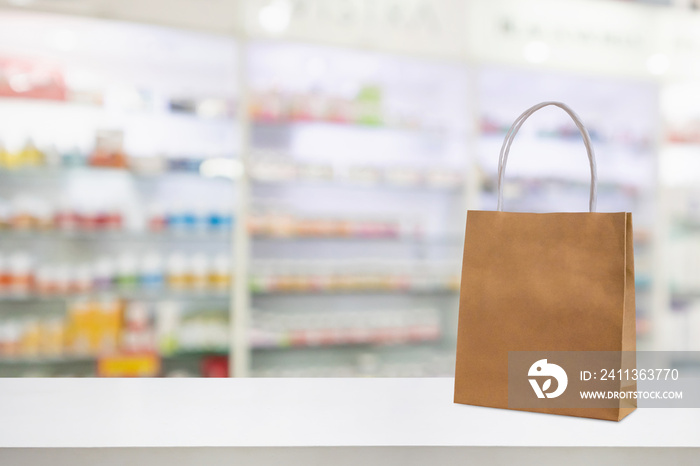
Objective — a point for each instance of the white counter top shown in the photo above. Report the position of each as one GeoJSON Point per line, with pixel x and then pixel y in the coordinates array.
{"type": "Point", "coordinates": [300, 412]}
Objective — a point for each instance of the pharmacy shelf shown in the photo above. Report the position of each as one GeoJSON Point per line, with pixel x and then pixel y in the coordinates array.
{"type": "Point", "coordinates": [399, 238]}
{"type": "Point", "coordinates": [21, 175]}
{"type": "Point", "coordinates": [56, 174]}
{"type": "Point", "coordinates": [276, 130]}
{"type": "Point", "coordinates": [399, 134]}
{"type": "Point", "coordinates": [96, 104]}
{"type": "Point", "coordinates": [206, 295]}
{"type": "Point", "coordinates": [45, 360]}
{"type": "Point", "coordinates": [282, 343]}
{"type": "Point", "coordinates": [411, 165]}
{"type": "Point", "coordinates": [534, 182]}
{"type": "Point", "coordinates": [357, 344]}
{"type": "Point", "coordinates": [140, 296]}
{"type": "Point", "coordinates": [684, 294]}
{"type": "Point", "coordinates": [224, 236]}
{"type": "Point", "coordinates": [206, 237]}
{"type": "Point", "coordinates": [683, 144]}
{"type": "Point", "coordinates": [359, 185]}
{"type": "Point", "coordinates": [356, 291]}
{"type": "Point", "coordinates": [92, 359]}
{"type": "Point", "coordinates": [116, 236]}
{"type": "Point", "coordinates": [574, 138]}
{"type": "Point", "coordinates": [563, 171]}
{"type": "Point", "coordinates": [287, 125]}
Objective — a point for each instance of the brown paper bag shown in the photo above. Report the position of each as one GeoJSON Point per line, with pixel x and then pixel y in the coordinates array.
{"type": "Point", "coordinates": [543, 282]}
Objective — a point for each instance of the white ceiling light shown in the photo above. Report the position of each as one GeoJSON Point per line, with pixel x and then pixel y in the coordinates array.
{"type": "Point", "coordinates": [536, 51]}
{"type": "Point", "coordinates": [275, 16]}
{"type": "Point", "coordinates": [658, 64]}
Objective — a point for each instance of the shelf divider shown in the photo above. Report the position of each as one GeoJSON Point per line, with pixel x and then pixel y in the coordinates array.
{"type": "Point", "coordinates": [239, 310]}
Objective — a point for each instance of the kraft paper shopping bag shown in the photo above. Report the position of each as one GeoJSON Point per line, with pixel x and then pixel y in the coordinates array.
{"type": "Point", "coordinates": [553, 282]}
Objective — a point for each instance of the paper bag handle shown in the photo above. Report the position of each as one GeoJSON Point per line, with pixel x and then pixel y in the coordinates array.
{"type": "Point", "coordinates": [514, 130]}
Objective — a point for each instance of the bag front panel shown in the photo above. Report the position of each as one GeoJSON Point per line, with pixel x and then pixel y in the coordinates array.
{"type": "Point", "coordinates": [537, 282]}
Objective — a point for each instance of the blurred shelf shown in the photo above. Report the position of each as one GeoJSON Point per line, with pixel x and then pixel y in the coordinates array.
{"type": "Point", "coordinates": [685, 294]}
{"type": "Point", "coordinates": [42, 174]}
{"type": "Point", "coordinates": [358, 291]}
{"type": "Point", "coordinates": [127, 236]}
{"type": "Point", "coordinates": [40, 360]}
{"type": "Point", "coordinates": [554, 140]}
{"type": "Point", "coordinates": [207, 295]}
{"type": "Point", "coordinates": [285, 170]}
{"type": "Point", "coordinates": [317, 340]}
{"type": "Point", "coordinates": [92, 359]}
{"type": "Point", "coordinates": [282, 343]}
{"type": "Point", "coordinates": [128, 295]}
{"type": "Point", "coordinates": [344, 183]}
{"type": "Point", "coordinates": [692, 144]}
{"type": "Point", "coordinates": [195, 352]}
{"type": "Point", "coordinates": [93, 104]}
{"type": "Point", "coordinates": [534, 182]}
{"type": "Point", "coordinates": [399, 238]}
{"type": "Point", "coordinates": [340, 345]}
{"type": "Point", "coordinates": [219, 237]}
{"type": "Point", "coordinates": [324, 125]}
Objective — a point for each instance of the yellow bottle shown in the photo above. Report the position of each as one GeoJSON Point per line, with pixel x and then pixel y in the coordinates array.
{"type": "Point", "coordinates": [30, 156]}
{"type": "Point", "coordinates": [178, 276]}
{"type": "Point", "coordinates": [220, 274]}
{"type": "Point", "coordinates": [13, 160]}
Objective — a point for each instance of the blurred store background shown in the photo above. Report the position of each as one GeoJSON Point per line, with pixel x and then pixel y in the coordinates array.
{"type": "Point", "coordinates": [279, 187]}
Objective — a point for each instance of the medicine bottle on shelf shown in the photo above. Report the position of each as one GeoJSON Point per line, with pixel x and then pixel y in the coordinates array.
{"type": "Point", "coordinates": [199, 267]}
{"type": "Point", "coordinates": [104, 274]}
{"type": "Point", "coordinates": [21, 273]}
{"type": "Point", "coordinates": [167, 326]}
{"type": "Point", "coordinates": [177, 273]}
{"type": "Point", "coordinates": [152, 272]}
{"type": "Point", "coordinates": [157, 221]}
{"type": "Point", "coordinates": [220, 275]}
{"type": "Point", "coordinates": [127, 272]}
